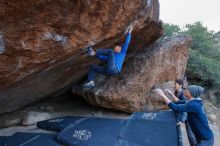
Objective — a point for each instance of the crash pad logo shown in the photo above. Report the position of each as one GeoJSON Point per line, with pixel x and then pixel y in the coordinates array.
{"type": "Point", "coordinates": [149, 116]}
{"type": "Point", "coordinates": [83, 135]}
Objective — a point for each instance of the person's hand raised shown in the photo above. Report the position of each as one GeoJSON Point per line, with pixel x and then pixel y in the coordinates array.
{"type": "Point", "coordinates": [168, 91]}
{"type": "Point", "coordinates": [159, 92]}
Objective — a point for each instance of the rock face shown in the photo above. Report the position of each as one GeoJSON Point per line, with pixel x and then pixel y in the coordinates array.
{"type": "Point", "coordinates": [131, 91]}
{"type": "Point", "coordinates": [42, 43]}
{"type": "Point", "coordinates": [217, 37]}
{"type": "Point", "coordinates": [33, 117]}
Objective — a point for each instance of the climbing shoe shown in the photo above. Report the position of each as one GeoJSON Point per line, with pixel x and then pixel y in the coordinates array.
{"type": "Point", "coordinates": [89, 84]}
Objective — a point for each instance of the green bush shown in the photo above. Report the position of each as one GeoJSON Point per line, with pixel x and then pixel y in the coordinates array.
{"type": "Point", "coordinates": [203, 39]}
{"type": "Point", "coordinates": [171, 30]}
{"type": "Point", "coordinates": [202, 69]}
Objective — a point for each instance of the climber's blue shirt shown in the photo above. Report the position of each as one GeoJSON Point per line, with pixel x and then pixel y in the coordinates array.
{"type": "Point", "coordinates": [119, 57]}
{"type": "Point", "coordinates": [196, 116]}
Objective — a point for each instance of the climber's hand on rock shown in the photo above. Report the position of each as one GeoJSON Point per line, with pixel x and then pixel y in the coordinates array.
{"type": "Point", "coordinates": [130, 29]}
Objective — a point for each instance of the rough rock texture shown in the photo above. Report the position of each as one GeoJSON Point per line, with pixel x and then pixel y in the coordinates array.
{"type": "Point", "coordinates": [217, 37]}
{"type": "Point", "coordinates": [131, 91]}
{"type": "Point", "coordinates": [32, 117]}
{"type": "Point", "coordinates": [42, 43]}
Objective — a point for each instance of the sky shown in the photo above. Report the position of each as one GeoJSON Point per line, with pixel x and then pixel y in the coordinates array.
{"type": "Point", "coordinates": [183, 12]}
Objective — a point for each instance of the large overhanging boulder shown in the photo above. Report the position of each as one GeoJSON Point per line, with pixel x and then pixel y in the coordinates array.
{"type": "Point", "coordinates": [131, 91]}
{"type": "Point", "coordinates": [42, 43]}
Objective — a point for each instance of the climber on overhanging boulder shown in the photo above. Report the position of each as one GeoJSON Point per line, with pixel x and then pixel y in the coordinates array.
{"type": "Point", "coordinates": [114, 59]}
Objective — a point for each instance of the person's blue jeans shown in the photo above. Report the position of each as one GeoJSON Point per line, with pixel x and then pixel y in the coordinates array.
{"type": "Point", "coordinates": [209, 142]}
{"type": "Point", "coordinates": [190, 134]}
{"type": "Point", "coordinates": [181, 117]}
{"type": "Point", "coordinates": [108, 69]}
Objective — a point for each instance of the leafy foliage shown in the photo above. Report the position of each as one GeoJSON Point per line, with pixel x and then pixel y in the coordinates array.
{"type": "Point", "coordinates": [203, 39]}
{"type": "Point", "coordinates": [202, 69]}
{"type": "Point", "coordinates": [171, 30]}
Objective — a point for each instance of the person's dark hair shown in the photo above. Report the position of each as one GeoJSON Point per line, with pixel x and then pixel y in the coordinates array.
{"type": "Point", "coordinates": [180, 82]}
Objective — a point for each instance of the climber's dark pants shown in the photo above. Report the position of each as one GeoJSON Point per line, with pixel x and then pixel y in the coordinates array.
{"type": "Point", "coordinates": [108, 69]}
